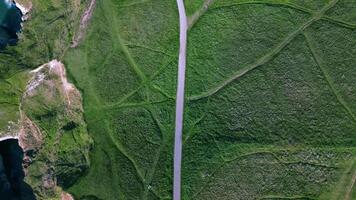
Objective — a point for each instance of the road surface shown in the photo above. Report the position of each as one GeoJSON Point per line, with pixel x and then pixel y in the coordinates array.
{"type": "Point", "coordinates": [180, 101]}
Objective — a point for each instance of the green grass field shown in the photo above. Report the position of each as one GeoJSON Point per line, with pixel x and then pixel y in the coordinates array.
{"type": "Point", "coordinates": [270, 96]}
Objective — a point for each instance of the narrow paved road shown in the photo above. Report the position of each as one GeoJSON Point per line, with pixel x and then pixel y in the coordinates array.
{"type": "Point", "coordinates": [180, 101]}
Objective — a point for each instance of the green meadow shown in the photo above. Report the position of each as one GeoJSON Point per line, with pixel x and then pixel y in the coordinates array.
{"type": "Point", "coordinates": [270, 108]}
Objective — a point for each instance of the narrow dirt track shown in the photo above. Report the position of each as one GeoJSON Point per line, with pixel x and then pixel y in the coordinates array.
{"type": "Point", "coordinates": [84, 23]}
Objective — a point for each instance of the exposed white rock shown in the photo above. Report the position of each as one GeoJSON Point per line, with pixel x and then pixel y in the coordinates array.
{"type": "Point", "coordinates": [34, 82]}
{"type": "Point", "coordinates": [58, 68]}
{"type": "Point", "coordinates": [8, 138]}
{"type": "Point", "coordinates": [41, 74]}
{"type": "Point", "coordinates": [66, 196]}
{"type": "Point", "coordinates": [38, 69]}
{"type": "Point", "coordinates": [24, 9]}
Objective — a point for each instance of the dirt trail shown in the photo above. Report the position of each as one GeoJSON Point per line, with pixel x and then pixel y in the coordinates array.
{"type": "Point", "coordinates": [195, 17]}
{"type": "Point", "coordinates": [350, 187]}
{"type": "Point", "coordinates": [84, 24]}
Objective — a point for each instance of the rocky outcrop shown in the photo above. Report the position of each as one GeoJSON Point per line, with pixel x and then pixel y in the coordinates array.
{"type": "Point", "coordinates": [48, 121]}
{"type": "Point", "coordinates": [53, 133]}
{"type": "Point", "coordinates": [66, 196]}
{"type": "Point", "coordinates": [25, 6]}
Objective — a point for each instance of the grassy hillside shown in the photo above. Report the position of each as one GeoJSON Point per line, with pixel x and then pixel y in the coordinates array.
{"type": "Point", "coordinates": [130, 49]}
{"type": "Point", "coordinates": [44, 37]}
{"type": "Point", "coordinates": [270, 102]}
{"type": "Point", "coordinates": [270, 98]}
{"type": "Point", "coordinates": [56, 142]}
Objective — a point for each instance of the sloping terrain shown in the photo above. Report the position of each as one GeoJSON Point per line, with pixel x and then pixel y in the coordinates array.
{"type": "Point", "coordinates": [39, 107]}
{"type": "Point", "coordinates": [270, 95]}
{"type": "Point", "coordinates": [53, 133]}
{"type": "Point", "coordinates": [270, 110]}
{"type": "Point", "coordinates": [125, 59]}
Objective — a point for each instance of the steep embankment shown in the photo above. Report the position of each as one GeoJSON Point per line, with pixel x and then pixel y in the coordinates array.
{"type": "Point", "coordinates": [51, 131]}
{"type": "Point", "coordinates": [41, 108]}
{"type": "Point", "coordinates": [57, 145]}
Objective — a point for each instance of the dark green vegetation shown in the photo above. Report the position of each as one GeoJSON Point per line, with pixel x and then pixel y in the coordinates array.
{"type": "Point", "coordinates": [273, 117]}
{"type": "Point", "coordinates": [127, 70]}
{"type": "Point", "coordinates": [270, 100]}
{"type": "Point", "coordinates": [45, 36]}
{"type": "Point", "coordinates": [270, 110]}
